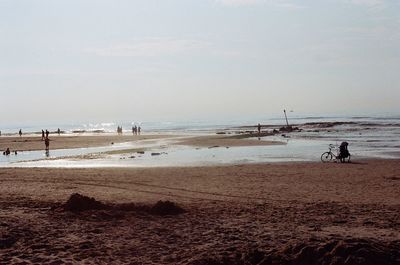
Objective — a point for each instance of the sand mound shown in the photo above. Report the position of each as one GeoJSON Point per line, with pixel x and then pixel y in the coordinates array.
{"type": "Point", "coordinates": [166, 208]}
{"type": "Point", "coordinates": [336, 252]}
{"type": "Point", "coordinates": [78, 203]}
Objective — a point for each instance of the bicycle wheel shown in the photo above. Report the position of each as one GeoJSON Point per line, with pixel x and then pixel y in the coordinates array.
{"type": "Point", "coordinates": [326, 157]}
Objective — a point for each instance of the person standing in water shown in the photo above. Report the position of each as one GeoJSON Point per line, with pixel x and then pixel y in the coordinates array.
{"type": "Point", "coordinates": [20, 132]}
{"type": "Point", "coordinates": [42, 135]}
{"type": "Point", "coordinates": [47, 133]}
{"type": "Point", "coordinates": [58, 131]}
{"type": "Point", "coordinates": [259, 128]}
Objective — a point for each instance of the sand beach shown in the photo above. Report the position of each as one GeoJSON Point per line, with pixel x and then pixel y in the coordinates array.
{"type": "Point", "coordinates": [269, 213]}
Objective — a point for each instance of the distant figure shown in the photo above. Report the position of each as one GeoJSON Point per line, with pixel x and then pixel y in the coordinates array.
{"type": "Point", "coordinates": [259, 128]}
{"type": "Point", "coordinates": [119, 130]}
{"type": "Point", "coordinates": [58, 131]}
{"type": "Point", "coordinates": [0, 133]}
{"type": "Point", "coordinates": [20, 133]}
{"type": "Point", "coordinates": [8, 152]}
{"type": "Point", "coordinates": [47, 143]}
{"type": "Point", "coordinates": [47, 133]}
{"type": "Point", "coordinates": [42, 135]}
{"type": "Point", "coordinates": [139, 130]}
{"type": "Point", "coordinates": [133, 130]}
{"type": "Point", "coordinates": [16, 153]}
{"type": "Point", "coordinates": [343, 152]}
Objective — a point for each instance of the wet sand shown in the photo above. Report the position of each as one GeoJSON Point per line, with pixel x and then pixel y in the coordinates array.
{"type": "Point", "coordinates": [287, 213]}
{"type": "Point", "coordinates": [33, 143]}
{"type": "Point", "coordinates": [224, 140]}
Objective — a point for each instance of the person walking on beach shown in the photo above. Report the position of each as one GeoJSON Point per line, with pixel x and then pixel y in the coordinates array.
{"type": "Point", "coordinates": [259, 128]}
{"type": "Point", "coordinates": [47, 133]}
{"type": "Point", "coordinates": [42, 135]}
{"type": "Point", "coordinates": [20, 132]}
{"type": "Point", "coordinates": [58, 131]}
{"type": "Point", "coordinates": [139, 130]}
{"type": "Point", "coordinates": [47, 143]}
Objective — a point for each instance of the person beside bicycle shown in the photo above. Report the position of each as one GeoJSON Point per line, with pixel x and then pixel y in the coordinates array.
{"type": "Point", "coordinates": [343, 152]}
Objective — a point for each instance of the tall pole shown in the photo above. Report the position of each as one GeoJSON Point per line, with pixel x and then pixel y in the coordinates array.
{"type": "Point", "coordinates": [287, 123]}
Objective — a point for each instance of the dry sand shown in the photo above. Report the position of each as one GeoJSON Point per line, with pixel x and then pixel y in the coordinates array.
{"type": "Point", "coordinates": [289, 213]}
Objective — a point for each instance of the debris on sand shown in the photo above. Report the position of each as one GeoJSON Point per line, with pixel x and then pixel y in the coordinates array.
{"type": "Point", "coordinates": [78, 203]}
{"type": "Point", "coordinates": [334, 252]}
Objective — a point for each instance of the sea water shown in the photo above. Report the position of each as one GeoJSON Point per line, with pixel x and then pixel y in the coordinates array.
{"type": "Point", "coordinates": [369, 136]}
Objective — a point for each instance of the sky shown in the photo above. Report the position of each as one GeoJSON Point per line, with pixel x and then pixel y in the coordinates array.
{"type": "Point", "coordinates": [107, 60]}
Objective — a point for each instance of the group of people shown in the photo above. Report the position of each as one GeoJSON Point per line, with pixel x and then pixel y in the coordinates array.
{"type": "Point", "coordinates": [45, 138]}
{"type": "Point", "coordinates": [135, 130]}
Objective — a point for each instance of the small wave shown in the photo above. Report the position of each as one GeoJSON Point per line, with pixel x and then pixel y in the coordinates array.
{"type": "Point", "coordinates": [328, 124]}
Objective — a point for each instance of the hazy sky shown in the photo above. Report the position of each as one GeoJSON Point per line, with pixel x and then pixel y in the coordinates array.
{"type": "Point", "coordinates": [71, 60]}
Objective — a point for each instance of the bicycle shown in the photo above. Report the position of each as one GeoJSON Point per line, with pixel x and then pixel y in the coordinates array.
{"type": "Point", "coordinates": [328, 156]}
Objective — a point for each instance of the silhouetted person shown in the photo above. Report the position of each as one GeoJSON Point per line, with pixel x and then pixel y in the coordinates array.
{"type": "Point", "coordinates": [16, 153]}
{"type": "Point", "coordinates": [47, 134]}
{"type": "Point", "coordinates": [42, 135]}
{"type": "Point", "coordinates": [133, 130]}
{"type": "Point", "coordinates": [47, 143]}
{"type": "Point", "coordinates": [20, 132]}
{"type": "Point", "coordinates": [58, 131]}
{"type": "Point", "coordinates": [343, 152]}
{"type": "Point", "coordinates": [8, 152]}
{"type": "Point", "coordinates": [259, 128]}
{"type": "Point", "coordinates": [139, 130]}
